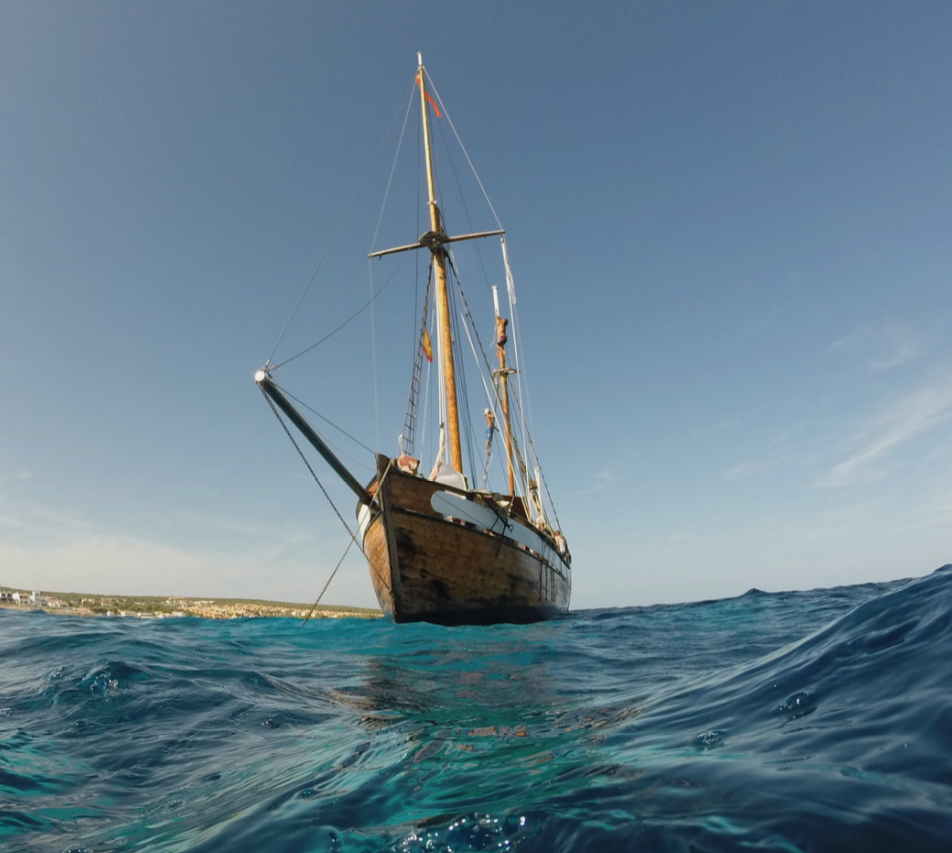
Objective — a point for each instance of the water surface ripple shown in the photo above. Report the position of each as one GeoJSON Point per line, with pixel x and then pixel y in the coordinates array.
{"type": "Point", "coordinates": [804, 721]}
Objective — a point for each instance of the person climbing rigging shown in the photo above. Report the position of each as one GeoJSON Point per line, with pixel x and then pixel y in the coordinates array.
{"type": "Point", "coordinates": [501, 336]}
{"type": "Point", "coordinates": [490, 428]}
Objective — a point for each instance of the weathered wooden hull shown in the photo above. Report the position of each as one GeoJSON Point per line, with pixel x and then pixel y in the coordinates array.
{"type": "Point", "coordinates": [428, 566]}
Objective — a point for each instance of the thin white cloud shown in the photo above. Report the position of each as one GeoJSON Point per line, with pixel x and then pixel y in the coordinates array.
{"type": "Point", "coordinates": [783, 452]}
{"type": "Point", "coordinates": [125, 565]}
{"type": "Point", "coordinates": [752, 467]}
{"type": "Point", "coordinates": [755, 467]}
{"type": "Point", "coordinates": [940, 451]}
{"type": "Point", "coordinates": [42, 520]}
{"type": "Point", "coordinates": [257, 530]}
{"type": "Point", "coordinates": [934, 511]}
{"type": "Point", "coordinates": [724, 423]}
{"type": "Point", "coordinates": [52, 548]}
{"type": "Point", "coordinates": [22, 474]}
{"type": "Point", "coordinates": [602, 479]}
{"type": "Point", "coordinates": [784, 436]}
{"type": "Point", "coordinates": [881, 347]}
{"type": "Point", "coordinates": [607, 475]}
{"type": "Point", "coordinates": [906, 418]}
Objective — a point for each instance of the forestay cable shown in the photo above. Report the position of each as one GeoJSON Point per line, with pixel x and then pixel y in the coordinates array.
{"type": "Point", "coordinates": [330, 242]}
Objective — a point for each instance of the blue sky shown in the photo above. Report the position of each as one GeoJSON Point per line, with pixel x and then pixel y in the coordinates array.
{"type": "Point", "coordinates": [730, 224]}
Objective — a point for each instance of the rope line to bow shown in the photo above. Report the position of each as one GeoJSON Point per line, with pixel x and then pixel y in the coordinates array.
{"type": "Point", "coordinates": [353, 536]}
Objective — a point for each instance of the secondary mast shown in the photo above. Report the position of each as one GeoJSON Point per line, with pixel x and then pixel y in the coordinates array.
{"type": "Point", "coordinates": [503, 375]}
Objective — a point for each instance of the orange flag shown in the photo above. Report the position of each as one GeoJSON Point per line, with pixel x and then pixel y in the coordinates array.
{"type": "Point", "coordinates": [427, 346]}
{"type": "Point", "coordinates": [436, 109]}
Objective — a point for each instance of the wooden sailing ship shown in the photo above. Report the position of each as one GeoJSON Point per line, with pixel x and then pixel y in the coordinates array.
{"type": "Point", "coordinates": [438, 548]}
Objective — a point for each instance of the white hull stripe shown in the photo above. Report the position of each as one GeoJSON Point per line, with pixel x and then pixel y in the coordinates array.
{"type": "Point", "coordinates": [452, 505]}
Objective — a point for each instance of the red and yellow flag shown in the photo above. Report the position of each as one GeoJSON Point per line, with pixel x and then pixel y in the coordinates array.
{"type": "Point", "coordinates": [427, 346]}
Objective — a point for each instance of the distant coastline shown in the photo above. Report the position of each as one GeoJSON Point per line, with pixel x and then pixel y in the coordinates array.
{"type": "Point", "coordinates": [167, 607]}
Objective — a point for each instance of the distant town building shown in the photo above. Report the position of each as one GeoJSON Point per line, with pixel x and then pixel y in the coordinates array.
{"type": "Point", "coordinates": [16, 597]}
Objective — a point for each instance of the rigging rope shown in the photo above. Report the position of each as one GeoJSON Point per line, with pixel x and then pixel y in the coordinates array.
{"type": "Point", "coordinates": [317, 480]}
{"type": "Point", "coordinates": [346, 322]}
{"type": "Point", "coordinates": [370, 282]}
{"type": "Point", "coordinates": [353, 536]}
{"type": "Point", "coordinates": [327, 247]}
{"type": "Point", "coordinates": [393, 166]}
{"type": "Point", "coordinates": [329, 422]}
{"type": "Point", "coordinates": [320, 261]}
{"type": "Point", "coordinates": [472, 331]}
{"type": "Point", "coordinates": [339, 562]}
{"type": "Point", "coordinates": [462, 147]}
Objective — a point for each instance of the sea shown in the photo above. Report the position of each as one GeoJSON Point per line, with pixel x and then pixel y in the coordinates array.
{"type": "Point", "coordinates": [793, 721]}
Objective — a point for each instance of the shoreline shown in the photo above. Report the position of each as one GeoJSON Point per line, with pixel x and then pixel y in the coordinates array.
{"type": "Point", "coordinates": [171, 607]}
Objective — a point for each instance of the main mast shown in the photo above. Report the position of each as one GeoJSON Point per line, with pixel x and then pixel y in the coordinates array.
{"type": "Point", "coordinates": [437, 238]}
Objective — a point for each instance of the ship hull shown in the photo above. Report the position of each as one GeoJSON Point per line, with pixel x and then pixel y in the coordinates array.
{"type": "Point", "coordinates": [444, 555]}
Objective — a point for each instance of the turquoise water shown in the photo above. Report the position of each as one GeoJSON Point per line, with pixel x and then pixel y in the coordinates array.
{"type": "Point", "coordinates": [813, 721]}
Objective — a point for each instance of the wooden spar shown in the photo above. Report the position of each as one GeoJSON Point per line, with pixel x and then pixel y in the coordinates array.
{"type": "Point", "coordinates": [443, 317]}
{"type": "Point", "coordinates": [268, 387]}
{"type": "Point", "coordinates": [432, 239]}
{"type": "Point", "coordinates": [503, 374]}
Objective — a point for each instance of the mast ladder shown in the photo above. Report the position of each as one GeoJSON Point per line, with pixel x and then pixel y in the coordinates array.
{"type": "Point", "coordinates": [413, 400]}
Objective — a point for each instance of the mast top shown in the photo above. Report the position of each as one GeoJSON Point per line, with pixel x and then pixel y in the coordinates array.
{"type": "Point", "coordinates": [419, 58]}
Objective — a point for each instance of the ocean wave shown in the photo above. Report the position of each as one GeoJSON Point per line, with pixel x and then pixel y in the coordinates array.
{"type": "Point", "coordinates": [807, 721]}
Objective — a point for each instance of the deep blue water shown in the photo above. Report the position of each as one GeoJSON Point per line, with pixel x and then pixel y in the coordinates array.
{"type": "Point", "coordinates": [813, 721]}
